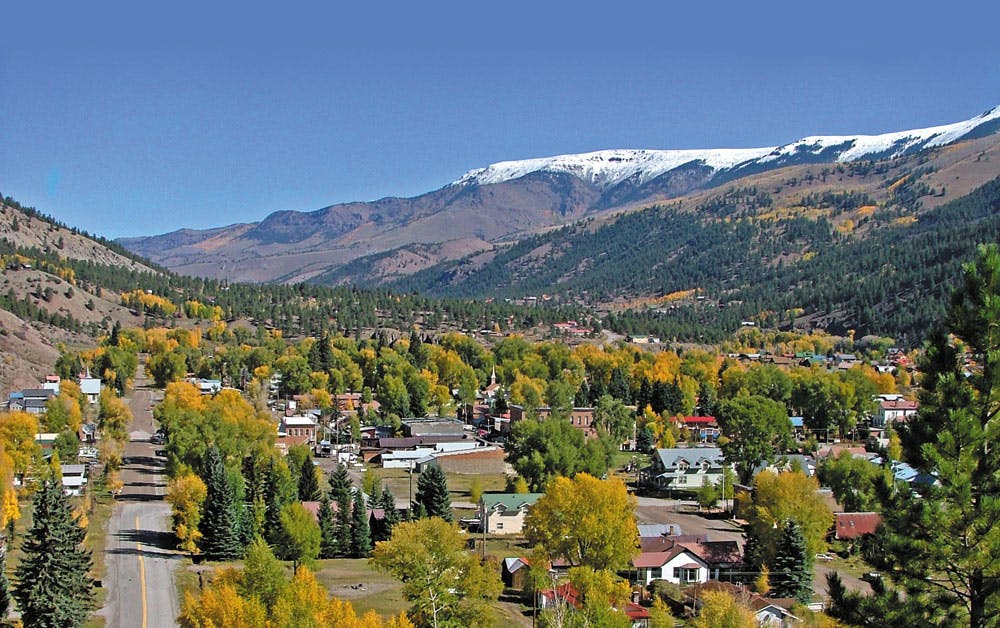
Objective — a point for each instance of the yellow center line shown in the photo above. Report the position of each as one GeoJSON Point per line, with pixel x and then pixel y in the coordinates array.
{"type": "Point", "coordinates": [142, 575]}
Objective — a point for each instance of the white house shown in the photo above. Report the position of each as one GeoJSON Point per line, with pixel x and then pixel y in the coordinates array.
{"type": "Point", "coordinates": [74, 478]}
{"type": "Point", "coordinates": [679, 565]}
{"type": "Point", "coordinates": [504, 513]}
{"type": "Point", "coordinates": [90, 387]}
{"type": "Point", "coordinates": [892, 409]}
{"type": "Point", "coordinates": [685, 468]}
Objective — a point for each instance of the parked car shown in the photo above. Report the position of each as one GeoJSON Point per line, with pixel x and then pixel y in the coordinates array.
{"type": "Point", "coordinates": [871, 576]}
{"type": "Point", "coordinates": [824, 556]}
{"type": "Point", "coordinates": [158, 438]}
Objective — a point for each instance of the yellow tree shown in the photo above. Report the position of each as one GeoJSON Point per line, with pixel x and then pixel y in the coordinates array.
{"type": "Point", "coordinates": [587, 521]}
{"type": "Point", "coordinates": [722, 610]}
{"type": "Point", "coordinates": [186, 494]}
{"type": "Point", "coordinates": [220, 606]}
{"type": "Point", "coordinates": [445, 584]}
{"type": "Point", "coordinates": [10, 511]}
{"type": "Point", "coordinates": [781, 497]}
{"type": "Point", "coordinates": [17, 436]}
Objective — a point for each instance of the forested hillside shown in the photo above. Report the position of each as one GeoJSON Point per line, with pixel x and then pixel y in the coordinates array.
{"type": "Point", "coordinates": [842, 261]}
{"type": "Point", "coordinates": [64, 287]}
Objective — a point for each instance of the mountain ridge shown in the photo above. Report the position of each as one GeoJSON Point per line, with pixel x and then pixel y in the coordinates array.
{"type": "Point", "coordinates": [502, 202]}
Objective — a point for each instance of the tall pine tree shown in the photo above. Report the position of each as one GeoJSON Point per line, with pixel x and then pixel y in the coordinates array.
{"type": "Point", "coordinates": [387, 502]}
{"type": "Point", "coordinates": [54, 587]}
{"type": "Point", "coordinates": [792, 573]}
{"type": "Point", "coordinates": [943, 545]}
{"type": "Point", "coordinates": [340, 492]}
{"type": "Point", "coordinates": [220, 519]}
{"type": "Point", "coordinates": [432, 494]}
{"type": "Point", "coordinates": [308, 483]}
{"type": "Point", "coordinates": [361, 541]}
{"type": "Point", "coordinates": [327, 529]}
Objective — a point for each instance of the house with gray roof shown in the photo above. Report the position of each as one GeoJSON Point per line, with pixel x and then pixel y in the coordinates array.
{"type": "Point", "coordinates": [685, 468]}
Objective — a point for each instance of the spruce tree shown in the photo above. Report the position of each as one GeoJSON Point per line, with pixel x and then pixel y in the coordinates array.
{"type": "Point", "coordinates": [432, 493]}
{"type": "Point", "coordinates": [4, 587]}
{"type": "Point", "coordinates": [390, 518]}
{"type": "Point", "coordinates": [220, 520]}
{"type": "Point", "coordinates": [343, 524]}
{"type": "Point", "coordinates": [792, 575]}
{"type": "Point", "coordinates": [54, 587]}
{"type": "Point", "coordinates": [340, 483]}
{"type": "Point", "coordinates": [340, 491]}
{"type": "Point", "coordinates": [327, 529]}
{"type": "Point", "coordinates": [308, 484]}
{"type": "Point", "coordinates": [361, 541]}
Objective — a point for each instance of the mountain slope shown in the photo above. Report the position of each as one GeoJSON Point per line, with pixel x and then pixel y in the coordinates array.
{"type": "Point", "coordinates": [870, 246]}
{"type": "Point", "coordinates": [502, 202]}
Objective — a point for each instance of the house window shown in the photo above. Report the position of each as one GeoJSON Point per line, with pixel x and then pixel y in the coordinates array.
{"type": "Point", "coordinates": [656, 572]}
{"type": "Point", "coordinates": [500, 525]}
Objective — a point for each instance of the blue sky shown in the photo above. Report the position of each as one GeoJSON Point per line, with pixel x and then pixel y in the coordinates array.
{"type": "Point", "coordinates": [125, 120]}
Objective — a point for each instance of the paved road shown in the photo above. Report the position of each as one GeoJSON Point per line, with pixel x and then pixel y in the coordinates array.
{"type": "Point", "coordinates": [140, 555]}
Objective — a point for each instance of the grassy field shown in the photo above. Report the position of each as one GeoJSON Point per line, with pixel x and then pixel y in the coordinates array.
{"type": "Point", "coordinates": [459, 484]}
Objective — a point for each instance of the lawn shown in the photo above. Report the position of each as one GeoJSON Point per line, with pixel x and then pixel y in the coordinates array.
{"type": "Point", "coordinates": [352, 579]}
{"type": "Point", "coordinates": [459, 484]}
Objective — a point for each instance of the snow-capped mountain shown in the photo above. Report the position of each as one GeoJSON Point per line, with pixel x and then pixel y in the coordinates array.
{"type": "Point", "coordinates": [503, 202]}
{"type": "Point", "coordinates": [607, 168]}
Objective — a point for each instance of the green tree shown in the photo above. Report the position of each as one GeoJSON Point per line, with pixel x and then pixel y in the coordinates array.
{"type": "Point", "coordinates": [944, 545]}
{"type": "Point", "coordinates": [614, 417]}
{"type": "Point", "coordinates": [4, 587]}
{"type": "Point", "coordinates": [542, 450]}
{"type": "Point", "coordinates": [167, 367]}
{"type": "Point", "coordinates": [219, 527]}
{"type": "Point", "coordinates": [54, 586]}
{"type": "Point", "coordinates": [792, 575]}
{"type": "Point", "coordinates": [263, 576]}
{"type": "Point", "coordinates": [707, 495]}
{"type": "Point", "coordinates": [855, 482]}
{"type": "Point", "coordinates": [361, 542]}
{"type": "Point", "coordinates": [279, 489]}
{"type": "Point", "coordinates": [589, 522]}
{"type": "Point", "coordinates": [308, 482]}
{"type": "Point", "coordinates": [327, 529]}
{"type": "Point", "coordinates": [432, 493]}
{"type": "Point", "coordinates": [444, 583]}
{"type": "Point", "coordinates": [754, 429]}
{"type": "Point", "coordinates": [387, 502]}
{"type": "Point", "coordinates": [300, 534]}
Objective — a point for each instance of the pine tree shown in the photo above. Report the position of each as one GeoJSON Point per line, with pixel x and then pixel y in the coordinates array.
{"type": "Point", "coordinates": [432, 493]}
{"type": "Point", "coordinates": [4, 587]}
{"type": "Point", "coordinates": [391, 517]}
{"type": "Point", "coordinates": [54, 587]}
{"type": "Point", "coordinates": [327, 528]}
{"type": "Point", "coordinates": [942, 545]}
{"type": "Point", "coordinates": [220, 520]}
{"type": "Point", "coordinates": [340, 483]}
{"type": "Point", "coordinates": [308, 483]}
{"type": "Point", "coordinates": [361, 542]}
{"type": "Point", "coordinates": [792, 576]}
{"type": "Point", "coordinates": [340, 492]}
{"type": "Point", "coordinates": [272, 504]}
{"type": "Point", "coordinates": [343, 524]}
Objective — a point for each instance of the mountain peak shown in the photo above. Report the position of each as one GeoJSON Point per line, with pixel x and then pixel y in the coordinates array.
{"type": "Point", "coordinates": [607, 168]}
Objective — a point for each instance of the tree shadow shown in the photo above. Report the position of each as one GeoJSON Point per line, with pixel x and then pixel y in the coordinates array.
{"type": "Point", "coordinates": [153, 538]}
{"type": "Point", "coordinates": [139, 497]}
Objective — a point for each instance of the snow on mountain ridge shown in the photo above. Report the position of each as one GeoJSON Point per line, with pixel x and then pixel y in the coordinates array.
{"type": "Point", "coordinates": [609, 167]}
{"type": "Point", "coordinates": [606, 168]}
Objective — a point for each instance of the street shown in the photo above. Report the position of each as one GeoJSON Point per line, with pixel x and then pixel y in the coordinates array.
{"type": "Point", "coordinates": [140, 556]}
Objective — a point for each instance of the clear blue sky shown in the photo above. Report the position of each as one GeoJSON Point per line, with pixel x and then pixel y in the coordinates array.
{"type": "Point", "coordinates": [127, 120]}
